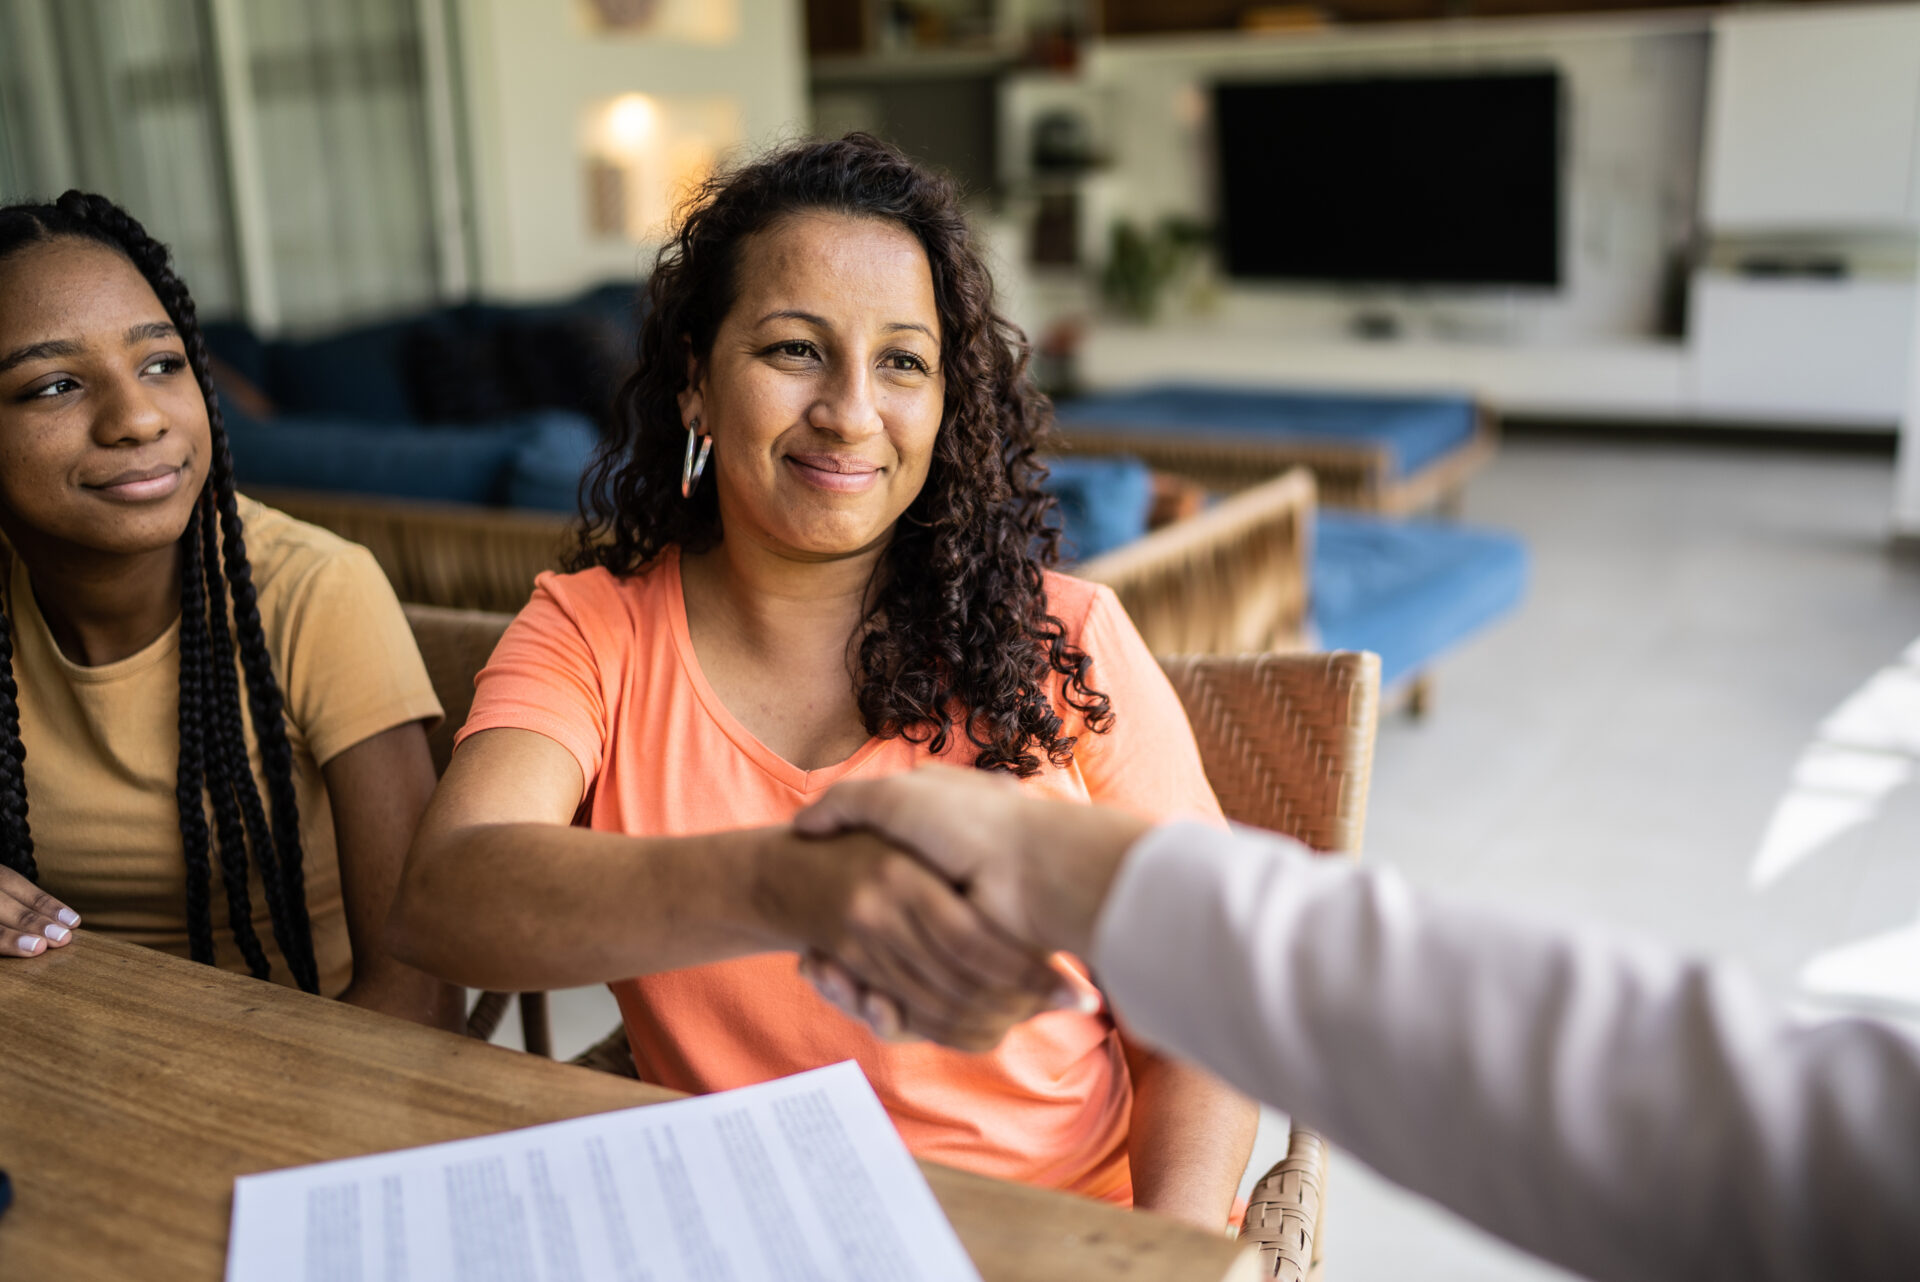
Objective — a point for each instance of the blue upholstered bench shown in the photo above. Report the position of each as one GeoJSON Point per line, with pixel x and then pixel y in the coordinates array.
{"type": "Point", "coordinates": [1384, 453]}
{"type": "Point", "coordinates": [1409, 590]}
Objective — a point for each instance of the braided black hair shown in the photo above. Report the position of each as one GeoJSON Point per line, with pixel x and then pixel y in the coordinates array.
{"type": "Point", "coordinates": [214, 766]}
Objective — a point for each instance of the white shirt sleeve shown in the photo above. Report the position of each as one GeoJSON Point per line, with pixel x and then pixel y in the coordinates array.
{"type": "Point", "coordinates": [1604, 1104]}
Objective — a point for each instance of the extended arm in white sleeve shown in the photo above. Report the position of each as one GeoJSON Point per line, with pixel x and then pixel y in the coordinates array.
{"type": "Point", "coordinates": [1604, 1104]}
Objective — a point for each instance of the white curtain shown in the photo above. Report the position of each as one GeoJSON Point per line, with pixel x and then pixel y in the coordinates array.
{"type": "Point", "coordinates": [125, 97]}
{"type": "Point", "coordinates": [340, 117]}
{"type": "Point", "coordinates": [117, 96]}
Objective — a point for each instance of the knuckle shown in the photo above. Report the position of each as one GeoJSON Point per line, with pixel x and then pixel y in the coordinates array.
{"type": "Point", "coordinates": [866, 909]}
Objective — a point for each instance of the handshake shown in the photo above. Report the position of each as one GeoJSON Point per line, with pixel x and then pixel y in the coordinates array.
{"type": "Point", "coordinates": [949, 894]}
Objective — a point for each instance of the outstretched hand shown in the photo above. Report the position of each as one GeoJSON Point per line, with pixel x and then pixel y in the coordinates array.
{"type": "Point", "coordinates": [872, 921]}
{"type": "Point", "coordinates": [1039, 869]}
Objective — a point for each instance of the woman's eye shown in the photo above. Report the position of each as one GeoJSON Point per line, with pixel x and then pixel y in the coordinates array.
{"type": "Point", "coordinates": [164, 365]}
{"type": "Point", "coordinates": [58, 387]}
{"type": "Point", "coordinates": [797, 349]}
{"type": "Point", "coordinates": [906, 362]}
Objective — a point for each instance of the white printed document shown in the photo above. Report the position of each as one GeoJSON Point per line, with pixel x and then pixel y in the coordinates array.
{"type": "Point", "coordinates": [797, 1180]}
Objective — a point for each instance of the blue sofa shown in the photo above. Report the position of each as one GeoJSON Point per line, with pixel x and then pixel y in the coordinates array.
{"type": "Point", "coordinates": [353, 416]}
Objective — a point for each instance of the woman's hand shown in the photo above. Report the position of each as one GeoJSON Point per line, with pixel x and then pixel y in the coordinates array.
{"type": "Point", "coordinates": [868, 917]}
{"type": "Point", "coordinates": [31, 920]}
{"type": "Point", "coordinates": [1040, 869]}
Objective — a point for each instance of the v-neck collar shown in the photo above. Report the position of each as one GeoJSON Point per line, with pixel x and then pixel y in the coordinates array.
{"type": "Point", "coordinates": [769, 761]}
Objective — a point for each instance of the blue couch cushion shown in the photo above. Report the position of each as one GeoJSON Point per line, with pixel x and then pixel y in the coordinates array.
{"type": "Point", "coordinates": [472, 464]}
{"type": "Point", "coordinates": [1415, 430]}
{"type": "Point", "coordinates": [1408, 590]}
{"type": "Point", "coordinates": [235, 343]}
{"type": "Point", "coordinates": [1104, 502]}
{"type": "Point", "coordinates": [546, 468]}
{"type": "Point", "coordinates": [357, 373]}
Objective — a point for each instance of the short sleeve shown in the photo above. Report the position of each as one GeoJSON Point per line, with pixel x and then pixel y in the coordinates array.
{"type": "Point", "coordinates": [1148, 762]}
{"type": "Point", "coordinates": [544, 675]}
{"type": "Point", "coordinates": [351, 669]}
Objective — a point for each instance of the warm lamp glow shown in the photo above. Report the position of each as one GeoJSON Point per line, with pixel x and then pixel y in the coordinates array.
{"type": "Point", "coordinates": [645, 152]}
{"type": "Point", "coordinates": [631, 122]}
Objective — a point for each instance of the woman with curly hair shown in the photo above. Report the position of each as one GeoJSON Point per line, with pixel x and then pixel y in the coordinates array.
{"type": "Point", "coordinates": [817, 550]}
{"type": "Point", "coordinates": [192, 686]}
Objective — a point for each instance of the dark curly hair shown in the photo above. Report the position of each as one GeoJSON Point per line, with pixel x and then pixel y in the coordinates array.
{"type": "Point", "coordinates": [959, 629]}
{"type": "Point", "coordinates": [213, 748]}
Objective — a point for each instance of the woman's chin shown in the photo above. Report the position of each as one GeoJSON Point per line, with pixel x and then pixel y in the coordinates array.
{"type": "Point", "coordinates": [130, 534]}
{"type": "Point", "coordinates": [833, 541]}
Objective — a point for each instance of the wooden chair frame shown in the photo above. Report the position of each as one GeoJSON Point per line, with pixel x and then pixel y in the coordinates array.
{"type": "Point", "coordinates": [1230, 580]}
{"type": "Point", "coordinates": [1287, 741]}
{"type": "Point", "coordinates": [1350, 475]}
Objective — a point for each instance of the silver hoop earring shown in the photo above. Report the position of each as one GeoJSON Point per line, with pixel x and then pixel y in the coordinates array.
{"type": "Point", "coordinates": [694, 467]}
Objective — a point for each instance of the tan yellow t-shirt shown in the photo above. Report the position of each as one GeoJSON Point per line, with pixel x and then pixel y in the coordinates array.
{"type": "Point", "coordinates": [103, 743]}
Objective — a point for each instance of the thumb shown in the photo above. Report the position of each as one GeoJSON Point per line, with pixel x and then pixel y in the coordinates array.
{"type": "Point", "coordinates": [843, 806]}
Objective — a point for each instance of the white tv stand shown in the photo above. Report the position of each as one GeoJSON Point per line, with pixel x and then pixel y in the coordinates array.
{"type": "Point", "coordinates": [1806, 354]}
{"type": "Point", "coordinates": [1648, 381]}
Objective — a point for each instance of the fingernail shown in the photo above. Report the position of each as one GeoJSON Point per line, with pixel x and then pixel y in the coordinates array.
{"type": "Point", "coordinates": [68, 916]}
{"type": "Point", "coordinates": [879, 1016]}
{"type": "Point", "coordinates": [57, 934]}
{"type": "Point", "coordinates": [31, 944]}
{"type": "Point", "coordinates": [1079, 1000]}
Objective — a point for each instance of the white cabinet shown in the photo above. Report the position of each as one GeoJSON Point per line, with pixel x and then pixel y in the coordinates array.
{"type": "Point", "coordinates": [1817, 351]}
{"type": "Point", "coordinates": [1813, 121]}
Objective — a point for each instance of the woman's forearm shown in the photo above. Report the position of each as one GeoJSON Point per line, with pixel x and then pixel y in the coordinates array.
{"type": "Point", "coordinates": [1190, 1138]}
{"type": "Point", "coordinates": [520, 906]}
{"type": "Point", "coordinates": [411, 994]}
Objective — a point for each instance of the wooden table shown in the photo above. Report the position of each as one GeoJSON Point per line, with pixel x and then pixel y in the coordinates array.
{"type": "Point", "coordinates": [135, 1087]}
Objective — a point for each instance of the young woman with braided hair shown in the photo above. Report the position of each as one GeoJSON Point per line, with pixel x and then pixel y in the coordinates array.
{"type": "Point", "coordinates": [170, 651]}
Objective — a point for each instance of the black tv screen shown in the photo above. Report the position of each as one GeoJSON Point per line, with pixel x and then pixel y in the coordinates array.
{"type": "Point", "coordinates": [1405, 179]}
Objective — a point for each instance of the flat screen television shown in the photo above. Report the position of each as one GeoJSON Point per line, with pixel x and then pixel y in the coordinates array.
{"type": "Point", "coordinates": [1401, 179]}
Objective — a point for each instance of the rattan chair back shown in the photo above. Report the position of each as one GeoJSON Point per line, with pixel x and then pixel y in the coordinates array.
{"type": "Point", "coordinates": [450, 554]}
{"type": "Point", "coordinates": [455, 644]}
{"type": "Point", "coordinates": [1287, 739]}
{"type": "Point", "coordinates": [1230, 580]}
{"type": "Point", "coordinates": [1287, 742]}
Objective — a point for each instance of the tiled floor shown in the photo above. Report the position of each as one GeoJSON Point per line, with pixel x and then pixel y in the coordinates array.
{"type": "Point", "coordinates": [1621, 749]}
{"type": "Point", "coordinates": [1624, 748]}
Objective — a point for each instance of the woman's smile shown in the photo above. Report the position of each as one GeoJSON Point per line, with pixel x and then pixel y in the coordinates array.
{"type": "Point", "coordinates": [836, 473]}
{"type": "Point", "coordinates": [140, 485]}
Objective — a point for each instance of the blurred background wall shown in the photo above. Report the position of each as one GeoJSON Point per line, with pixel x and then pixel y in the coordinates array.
{"type": "Point", "coordinates": [319, 164]}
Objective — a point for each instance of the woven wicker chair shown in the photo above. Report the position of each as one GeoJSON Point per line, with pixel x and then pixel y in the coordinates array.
{"type": "Point", "coordinates": [456, 644]}
{"type": "Point", "coordinates": [1288, 745]}
{"type": "Point", "coordinates": [1227, 580]}
{"type": "Point", "coordinates": [1230, 580]}
{"type": "Point", "coordinates": [457, 555]}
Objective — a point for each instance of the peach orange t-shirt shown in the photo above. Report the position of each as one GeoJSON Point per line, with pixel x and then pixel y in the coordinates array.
{"type": "Point", "coordinates": [603, 665]}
